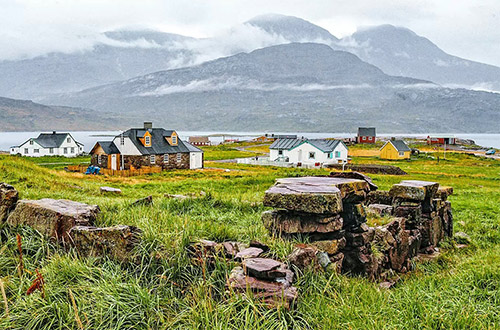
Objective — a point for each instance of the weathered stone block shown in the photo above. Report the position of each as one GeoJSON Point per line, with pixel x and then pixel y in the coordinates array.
{"type": "Point", "coordinates": [379, 209]}
{"type": "Point", "coordinates": [379, 197]}
{"type": "Point", "coordinates": [117, 242]}
{"type": "Point", "coordinates": [412, 214]}
{"type": "Point", "coordinates": [360, 239]}
{"type": "Point", "coordinates": [330, 246]}
{"type": "Point", "coordinates": [355, 175]}
{"type": "Point", "coordinates": [53, 218]}
{"type": "Point", "coordinates": [251, 252]}
{"type": "Point", "coordinates": [8, 200]}
{"type": "Point", "coordinates": [414, 190]}
{"type": "Point", "coordinates": [304, 257]}
{"type": "Point", "coordinates": [282, 221]}
{"type": "Point", "coordinates": [354, 215]}
{"type": "Point", "coordinates": [444, 192]}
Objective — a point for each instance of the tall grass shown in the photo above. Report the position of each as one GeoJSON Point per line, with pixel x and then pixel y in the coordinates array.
{"type": "Point", "coordinates": [166, 290]}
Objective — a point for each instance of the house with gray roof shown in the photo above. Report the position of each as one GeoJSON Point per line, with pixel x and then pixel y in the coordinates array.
{"type": "Point", "coordinates": [146, 147]}
{"type": "Point", "coordinates": [308, 152]}
{"type": "Point", "coordinates": [395, 149]}
{"type": "Point", "coordinates": [366, 135]}
{"type": "Point", "coordinates": [49, 144]}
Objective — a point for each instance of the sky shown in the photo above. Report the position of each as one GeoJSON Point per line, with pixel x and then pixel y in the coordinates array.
{"type": "Point", "coordinates": [465, 28]}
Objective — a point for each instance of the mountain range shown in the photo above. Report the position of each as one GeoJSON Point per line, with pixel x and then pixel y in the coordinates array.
{"type": "Point", "coordinates": [301, 77]}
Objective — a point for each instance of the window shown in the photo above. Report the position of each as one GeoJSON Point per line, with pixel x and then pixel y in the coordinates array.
{"type": "Point", "coordinates": [165, 158]}
{"type": "Point", "coordinates": [99, 159]}
{"type": "Point", "coordinates": [36, 151]}
{"type": "Point", "coordinates": [312, 155]}
{"type": "Point", "coordinates": [337, 154]}
{"type": "Point", "coordinates": [152, 159]}
{"type": "Point", "coordinates": [363, 138]}
{"type": "Point", "coordinates": [147, 141]}
{"type": "Point", "coordinates": [51, 150]}
{"type": "Point", "coordinates": [68, 140]}
{"type": "Point", "coordinates": [65, 150]}
{"type": "Point", "coordinates": [174, 139]}
{"type": "Point", "coordinates": [330, 155]}
{"type": "Point", "coordinates": [179, 157]}
{"type": "Point", "coordinates": [401, 153]}
{"type": "Point", "coordinates": [26, 151]}
{"type": "Point", "coordinates": [12, 150]}
{"type": "Point", "coordinates": [122, 140]}
{"type": "Point", "coordinates": [31, 142]}
{"type": "Point", "coordinates": [72, 150]}
{"type": "Point", "coordinates": [280, 152]}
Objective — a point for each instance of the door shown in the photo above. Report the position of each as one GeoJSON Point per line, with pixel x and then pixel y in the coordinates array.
{"type": "Point", "coordinates": [195, 161]}
{"type": "Point", "coordinates": [113, 162]}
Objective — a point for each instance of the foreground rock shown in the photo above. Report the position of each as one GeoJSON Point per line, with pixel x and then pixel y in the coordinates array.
{"type": "Point", "coordinates": [53, 218]}
{"type": "Point", "coordinates": [355, 175]}
{"type": "Point", "coordinates": [143, 201]}
{"type": "Point", "coordinates": [116, 242]}
{"type": "Point", "coordinates": [110, 190]}
{"type": "Point", "coordinates": [8, 200]}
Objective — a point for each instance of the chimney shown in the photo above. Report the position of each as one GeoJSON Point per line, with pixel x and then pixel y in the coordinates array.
{"type": "Point", "coordinates": [148, 125]}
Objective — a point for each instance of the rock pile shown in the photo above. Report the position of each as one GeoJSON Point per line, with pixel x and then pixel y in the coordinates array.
{"type": "Point", "coordinates": [331, 213]}
{"type": "Point", "coordinates": [70, 223]}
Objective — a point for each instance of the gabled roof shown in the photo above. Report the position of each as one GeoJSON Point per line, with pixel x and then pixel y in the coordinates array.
{"type": "Point", "coordinates": [51, 140]}
{"type": "Point", "coordinates": [192, 148]}
{"type": "Point", "coordinates": [159, 145]}
{"type": "Point", "coordinates": [322, 144]}
{"type": "Point", "coordinates": [109, 147]}
{"type": "Point", "coordinates": [366, 131]}
{"type": "Point", "coordinates": [399, 145]}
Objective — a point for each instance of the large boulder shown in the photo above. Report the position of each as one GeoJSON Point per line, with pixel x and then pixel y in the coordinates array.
{"type": "Point", "coordinates": [414, 190]}
{"type": "Point", "coordinates": [53, 217]}
{"type": "Point", "coordinates": [8, 200]}
{"type": "Point", "coordinates": [283, 221]}
{"type": "Point", "coordinates": [117, 242]}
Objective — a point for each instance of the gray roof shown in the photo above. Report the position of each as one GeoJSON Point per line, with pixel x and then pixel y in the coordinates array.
{"type": "Point", "coordinates": [400, 145]}
{"type": "Point", "coordinates": [191, 147]}
{"type": "Point", "coordinates": [159, 145]}
{"type": "Point", "coordinates": [322, 144]}
{"type": "Point", "coordinates": [51, 140]}
{"type": "Point", "coordinates": [366, 131]}
{"type": "Point", "coordinates": [109, 147]}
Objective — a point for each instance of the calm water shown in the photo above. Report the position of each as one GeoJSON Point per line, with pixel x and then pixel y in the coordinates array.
{"type": "Point", "coordinates": [8, 139]}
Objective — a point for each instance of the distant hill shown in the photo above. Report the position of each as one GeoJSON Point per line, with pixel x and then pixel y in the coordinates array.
{"type": "Point", "coordinates": [294, 87]}
{"type": "Point", "coordinates": [400, 51]}
{"type": "Point", "coordinates": [23, 115]}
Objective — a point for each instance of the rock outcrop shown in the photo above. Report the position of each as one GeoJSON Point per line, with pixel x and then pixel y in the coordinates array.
{"type": "Point", "coordinates": [8, 200]}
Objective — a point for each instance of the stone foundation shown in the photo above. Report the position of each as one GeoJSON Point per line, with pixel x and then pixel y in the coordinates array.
{"type": "Point", "coordinates": [331, 212]}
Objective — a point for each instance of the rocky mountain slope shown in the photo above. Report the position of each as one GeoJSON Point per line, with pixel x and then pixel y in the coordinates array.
{"type": "Point", "coordinates": [293, 87]}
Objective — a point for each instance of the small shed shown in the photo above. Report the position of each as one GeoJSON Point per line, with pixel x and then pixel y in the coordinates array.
{"type": "Point", "coordinates": [395, 149]}
{"type": "Point", "coordinates": [441, 139]}
{"type": "Point", "coordinates": [366, 135]}
{"type": "Point", "coordinates": [199, 140]}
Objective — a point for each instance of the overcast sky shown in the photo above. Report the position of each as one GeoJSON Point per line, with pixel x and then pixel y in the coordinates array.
{"type": "Point", "coordinates": [466, 28]}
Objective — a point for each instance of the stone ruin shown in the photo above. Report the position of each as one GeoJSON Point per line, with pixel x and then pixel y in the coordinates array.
{"type": "Point", "coordinates": [69, 223]}
{"type": "Point", "coordinates": [331, 213]}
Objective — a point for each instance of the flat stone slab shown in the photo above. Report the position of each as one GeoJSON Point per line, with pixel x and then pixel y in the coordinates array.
{"type": "Point", "coordinates": [8, 200]}
{"type": "Point", "coordinates": [110, 190]}
{"type": "Point", "coordinates": [414, 190]}
{"type": "Point", "coordinates": [282, 221]}
{"type": "Point", "coordinates": [318, 195]}
{"type": "Point", "coordinates": [53, 217]}
{"type": "Point", "coordinates": [251, 252]}
{"type": "Point", "coordinates": [259, 267]}
{"type": "Point", "coordinates": [355, 175]}
{"type": "Point", "coordinates": [117, 242]}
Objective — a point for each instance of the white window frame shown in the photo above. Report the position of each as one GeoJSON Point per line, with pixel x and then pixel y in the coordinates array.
{"type": "Point", "coordinates": [122, 140]}
{"type": "Point", "coordinates": [363, 138]}
{"type": "Point", "coordinates": [72, 150]}
{"type": "Point", "coordinates": [36, 151]}
{"type": "Point", "coordinates": [312, 155]}
{"type": "Point", "coordinates": [179, 157]}
{"type": "Point", "coordinates": [152, 159]}
{"type": "Point", "coordinates": [65, 150]}
{"type": "Point", "coordinates": [337, 154]}
{"type": "Point", "coordinates": [51, 150]}
{"type": "Point", "coordinates": [280, 152]}
{"type": "Point", "coordinates": [165, 159]}
{"type": "Point", "coordinates": [147, 140]}
{"type": "Point", "coordinates": [401, 153]}
{"type": "Point", "coordinates": [26, 151]}
{"type": "Point", "coordinates": [99, 159]}
{"type": "Point", "coordinates": [174, 139]}
{"type": "Point", "coordinates": [31, 142]}
{"type": "Point", "coordinates": [68, 139]}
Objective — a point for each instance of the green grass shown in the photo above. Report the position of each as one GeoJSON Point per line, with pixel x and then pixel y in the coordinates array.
{"type": "Point", "coordinates": [165, 291]}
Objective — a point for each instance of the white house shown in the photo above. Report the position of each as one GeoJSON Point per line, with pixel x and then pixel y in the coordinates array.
{"type": "Point", "coordinates": [49, 144]}
{"type": "Point", "coordinates": [313, 152]}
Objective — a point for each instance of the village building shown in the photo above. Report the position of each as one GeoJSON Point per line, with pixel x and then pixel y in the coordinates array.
{"type": "Point", "coordinates": [199, 141]}
{"type": "Point", "coordinates": [395, 149]}
{"type": "Point", "coordinates": [145, 147]}
{"type": "Point", "coordinates": [366, 135]}
{"type": "Point", "coordinates": [309, 152]}
{"type": "Point", "coordinates": [441, 139]}
{"type": "Point", "coordinates": [49, 144]}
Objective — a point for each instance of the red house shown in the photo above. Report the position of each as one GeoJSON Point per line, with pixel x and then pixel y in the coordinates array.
{"type": "Point", "coordinates": [366, 135]}
{"type": "Point", "coordinates": [441, 140]}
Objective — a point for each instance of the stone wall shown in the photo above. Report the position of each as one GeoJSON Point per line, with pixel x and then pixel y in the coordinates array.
{"type": "Point", "coordinates": [145, 161]}
{"type": "Point", "coordinates": [331, 213]}
{"type": "Point", "coordinates": [369, 168]}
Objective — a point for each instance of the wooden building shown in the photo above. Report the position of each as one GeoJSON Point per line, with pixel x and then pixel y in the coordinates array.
{"type": "Point", "coordinates": [442, 139]}
{"type": "Point", "coordinates": [366, 135]}
{"type": "Point", "coordinates": [395, 149]}
{"type": "Point", "coordinates": [199, 141]}
{"type": "Point", "coordinates": [146, 147]}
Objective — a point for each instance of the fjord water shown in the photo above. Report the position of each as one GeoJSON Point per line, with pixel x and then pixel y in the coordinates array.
{"type": "Point", "coordinates": [88, 138]}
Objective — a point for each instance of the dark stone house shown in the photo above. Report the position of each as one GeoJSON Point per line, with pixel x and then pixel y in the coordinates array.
{"type": "Point", "coordinates": [146, 147]}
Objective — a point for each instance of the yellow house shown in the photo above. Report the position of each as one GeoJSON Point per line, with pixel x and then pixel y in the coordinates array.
{"type": "Point", "coordinates": [395, 149]}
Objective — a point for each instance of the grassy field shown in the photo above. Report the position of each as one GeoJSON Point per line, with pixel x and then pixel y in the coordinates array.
{"type": "Point", "coordinates": [460, 290]}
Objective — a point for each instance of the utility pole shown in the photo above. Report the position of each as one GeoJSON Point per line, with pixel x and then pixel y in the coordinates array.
{"type": "Point", "coordinates": [444, 156]}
